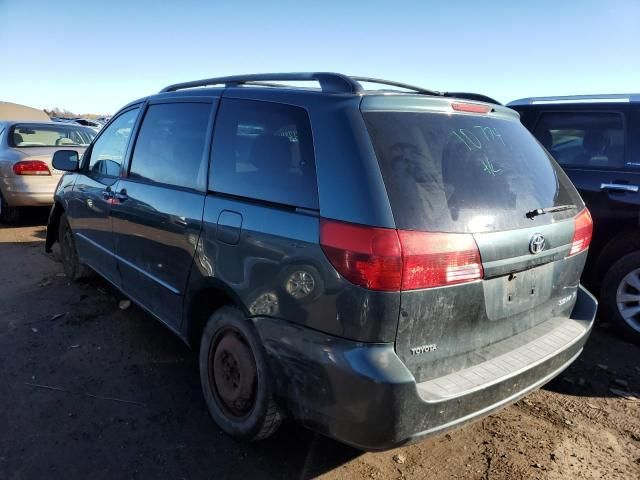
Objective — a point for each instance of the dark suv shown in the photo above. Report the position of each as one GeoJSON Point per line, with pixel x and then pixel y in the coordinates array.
{"type": "Point", "coordinates": [596, 140]}
{"type": "Point", "coordinates": [380, 265]}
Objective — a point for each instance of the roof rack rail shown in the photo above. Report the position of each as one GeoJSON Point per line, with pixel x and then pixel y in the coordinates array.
{"type": "Point", "coordinates": [471, 96]}
{"type": "Point", "coordinates": [406, 86]}
{"type": "Point", "coordinates": [329, 82]}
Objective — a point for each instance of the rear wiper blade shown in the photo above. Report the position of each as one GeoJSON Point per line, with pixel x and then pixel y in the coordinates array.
{"type": "Point", "coordinates": [542, 211]}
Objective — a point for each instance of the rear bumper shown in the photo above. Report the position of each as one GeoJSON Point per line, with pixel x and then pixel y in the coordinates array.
{"type": "Point", "coordinates": [29, 191]}
{"type": "Point", "coordinates": [363, 395]}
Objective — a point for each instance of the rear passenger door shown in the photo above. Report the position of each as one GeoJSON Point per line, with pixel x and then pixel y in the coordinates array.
{"type": "Point", "coordinates": [594, 148]}
{"type": "Point", "coordinates": [158, 204]}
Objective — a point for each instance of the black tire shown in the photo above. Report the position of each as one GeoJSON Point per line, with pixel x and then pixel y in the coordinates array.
{"type": "Point", "coordinates": [73, 268]}
{"type": "Point", "coordinates": [617, 308]}
{"type": "Point", "coordinates": [235, 377]}
{"type": "Point", "coordinates": [8, 214]}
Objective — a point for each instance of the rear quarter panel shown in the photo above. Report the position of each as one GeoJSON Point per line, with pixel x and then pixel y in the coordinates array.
{"type": "Point", "coordinates": [275, 244]}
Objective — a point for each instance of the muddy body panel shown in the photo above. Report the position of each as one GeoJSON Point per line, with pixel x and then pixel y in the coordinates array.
{"type": "Point", "coordinates": [446, 329]}
{"type": "Point", "coordinates": [337, 386]}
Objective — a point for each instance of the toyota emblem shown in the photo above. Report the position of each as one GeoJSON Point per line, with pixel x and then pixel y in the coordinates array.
{"type": "Point", "coordinates": [537, 243]}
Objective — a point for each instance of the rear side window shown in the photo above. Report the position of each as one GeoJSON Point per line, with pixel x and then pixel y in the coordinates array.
{"type": "Point", "coordinates": [464, 173]}
{"type": "Point", "coordinates": [589, 139]}
{"type": "Point", "coordinates": [26, 135]}
{"type": "Point", "coordinates": [170, 146]}
{"type": "Point", "coordinates": [108, 150]}
{"type": "Point", "coordinates": [264, 151]}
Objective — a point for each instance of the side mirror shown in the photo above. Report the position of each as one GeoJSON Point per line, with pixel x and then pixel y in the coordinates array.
{"type": "Point", "coordinates": [66, 160]}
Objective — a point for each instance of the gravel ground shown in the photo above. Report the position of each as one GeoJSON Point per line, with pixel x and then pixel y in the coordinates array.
{"type": "Point", "coordinates": [92, 391]}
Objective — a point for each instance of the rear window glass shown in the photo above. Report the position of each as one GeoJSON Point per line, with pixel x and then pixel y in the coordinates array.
{"type": "Point", "coordinates": [591, 139]}
{"type": "Point", "coordinates": [465, 173]}
{"type": "Point", "coordinates": [264, 151]}
{"type": "Point", "coordinates": [24, 135]}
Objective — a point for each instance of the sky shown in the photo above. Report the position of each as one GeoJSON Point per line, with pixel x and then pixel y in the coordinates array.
{"type": "Point", "coordinates": [96, 56]}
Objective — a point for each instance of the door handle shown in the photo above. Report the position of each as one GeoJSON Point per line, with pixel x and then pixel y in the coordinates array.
{"type": "Point", "coordinates": [182, 221]}
{"type": "Point", "coordinates": [619, 187]}
{"type": "Point", "coordinates": [107, 193]}
{"type": "Point", "coordinates": [121, 196]}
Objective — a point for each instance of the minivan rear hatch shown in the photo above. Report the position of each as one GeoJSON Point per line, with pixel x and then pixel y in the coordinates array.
{"type": "Point", "coordinates": [471, 171]}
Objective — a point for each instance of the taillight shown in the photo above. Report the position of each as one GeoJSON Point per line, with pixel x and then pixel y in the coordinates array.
{"type": "Point", "coordinates": [31, 167]}
{"type": "Point", "coordinates": [437, 259]}
{"type": "Point", "coordinates": [393, 260]}
{"type": "Point", "coordinates": [470, 107]}
{"type": "Point", "coordinates": [367, 256]}
{"type": "Point", "coordinates": [582, 233]}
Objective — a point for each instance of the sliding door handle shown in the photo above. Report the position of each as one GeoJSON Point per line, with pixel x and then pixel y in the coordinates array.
{"type": "Point", "coordinates": [619, 187]}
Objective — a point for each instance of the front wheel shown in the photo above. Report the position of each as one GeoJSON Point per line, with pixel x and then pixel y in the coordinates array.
{"type": "Point", "coordinates": [73, 268]}
{"type": "Point", "coordinates": [235, 378]}
{"type": "Point", "coordinates": [620, 296]}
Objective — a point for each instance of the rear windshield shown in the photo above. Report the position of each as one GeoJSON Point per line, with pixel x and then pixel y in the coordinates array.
{"type": "Point", "coordinates": [465, 173]}
{"type": "Point", "coordinates": [25, 135]}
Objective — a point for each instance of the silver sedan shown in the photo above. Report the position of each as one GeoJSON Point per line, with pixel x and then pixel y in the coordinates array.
{"type": "Point", "coordinates": [27, 177]}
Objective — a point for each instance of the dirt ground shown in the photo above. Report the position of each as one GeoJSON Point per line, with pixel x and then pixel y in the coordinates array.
{"type": "Point", "coordinates": [88, 390]}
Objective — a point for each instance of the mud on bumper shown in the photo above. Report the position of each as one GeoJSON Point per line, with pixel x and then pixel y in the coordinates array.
{"type": "Point", "coordinates": [363, 395]}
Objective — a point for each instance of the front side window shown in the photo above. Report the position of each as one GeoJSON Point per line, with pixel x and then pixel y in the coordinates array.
{"type": "Point", "coordinates": [35, 135]}
{"type": "Point", "coordinates": [264, 151]}
{"type": "Point", "coordinates": [589, 139]}
{"type": "Point", "coordinates": [109, 149]}
{"type": "Point", "coordinates": [170, 145]}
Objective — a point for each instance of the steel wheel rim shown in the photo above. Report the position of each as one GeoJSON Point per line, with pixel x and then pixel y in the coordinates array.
{"type": "Point", "coordinates": [628, 299]}
{"type": "Point", "coordinates": [229, 373]}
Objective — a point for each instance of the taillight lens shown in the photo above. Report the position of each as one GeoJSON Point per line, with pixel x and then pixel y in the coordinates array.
{"type": "Point", "coordinates": [31, 167]}
{"type": "Point", "coordinates": [582, 233]}
{"type": "Point", "coordinates": [367, 256]}
{"type": "Point", "coordinates": [393, 260]}
{"type": "Point", "coordinates": [437, 259]}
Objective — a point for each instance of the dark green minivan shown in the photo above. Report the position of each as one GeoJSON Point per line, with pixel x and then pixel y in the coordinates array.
{"type": "Point", "coordinates": [378, 264]}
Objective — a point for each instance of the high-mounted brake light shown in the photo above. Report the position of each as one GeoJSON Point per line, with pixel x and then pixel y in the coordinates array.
{"type": "Point", "coordinates": [31, 167]}
{"type": "Point", "coordinates": [393, 260]}
{"type": "Point", "coordinates": [470, 107]}
{"type": "Point", "coordinates": [582, 233]}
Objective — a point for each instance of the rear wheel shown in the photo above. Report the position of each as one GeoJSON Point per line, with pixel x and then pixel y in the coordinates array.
{"type": "Point", "coordinates": [620, 296]}
{"type": "Point", "coordinates": [8, 214]}
{"type": "Point", "coordinates": [73, 268]}
{"type": "Point", "coordinates": [235, 378]}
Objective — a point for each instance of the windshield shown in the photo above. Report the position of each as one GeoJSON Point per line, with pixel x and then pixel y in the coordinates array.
{"type": "Point", "coordinates": [465, 173]}
{"type": "Point", "coordinates": [34, 135]}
